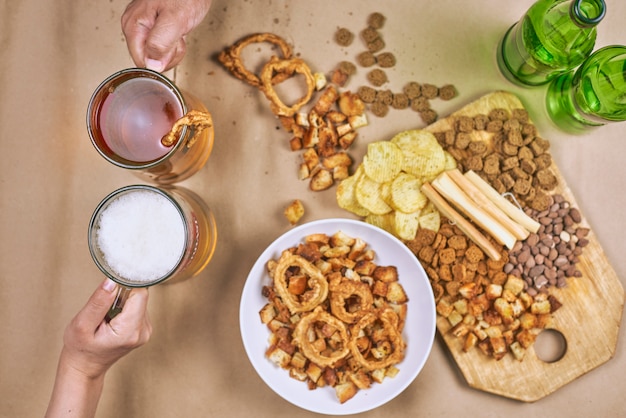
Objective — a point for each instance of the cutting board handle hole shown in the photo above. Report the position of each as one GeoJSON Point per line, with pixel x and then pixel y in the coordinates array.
{"type": "Point", "coordinates": [550, 346]}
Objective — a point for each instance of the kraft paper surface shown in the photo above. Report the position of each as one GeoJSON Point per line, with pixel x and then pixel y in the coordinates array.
{"type": "Point", "coordinates": [54, 54]}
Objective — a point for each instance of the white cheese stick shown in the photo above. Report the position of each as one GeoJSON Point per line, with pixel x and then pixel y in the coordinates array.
{"type": "Point", "coordinates": [507, 207]}
{"type": "Point", "coordinates": [464, 225]}
{"type": "Point", "coordinates": [454, 194]}
{"type": "Point", "coordinates": [483, 202]}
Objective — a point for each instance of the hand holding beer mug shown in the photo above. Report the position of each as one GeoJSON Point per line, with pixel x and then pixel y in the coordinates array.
{"type": "Point", "coordinates": [142, 235]}
{"type": "Point", "coordinates": [139, 120]}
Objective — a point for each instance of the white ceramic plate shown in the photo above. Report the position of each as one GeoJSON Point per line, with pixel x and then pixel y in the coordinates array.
{"type": "Point", "coordinates": [419, 330]}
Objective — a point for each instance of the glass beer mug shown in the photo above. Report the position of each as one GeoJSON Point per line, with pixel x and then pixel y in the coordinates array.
{"type": "Point", "coordinates": [129, 114]}
{"type": "Point", "coordinates": [142, 235]}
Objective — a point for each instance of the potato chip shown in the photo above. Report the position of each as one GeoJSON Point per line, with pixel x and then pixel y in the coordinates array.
{"type": "Point", "coordinates": [383, 161]}
{"type": "Point", "coordinates": [450, 161]}
{"type": "Point", "coordinates": [386, 222]}
{"type": "Point", "coordinates": [346, 194]}
{"type": "Point", "coordinates": [406, 195]}
{"type": "Point", "coordinates": [406, 224]}
{"type": "Point", "coordinates": [422, 155]}
{"type": "Point", "coordinates": [369, 195]}
{"type": "Point", "coordinates": [430, 221]}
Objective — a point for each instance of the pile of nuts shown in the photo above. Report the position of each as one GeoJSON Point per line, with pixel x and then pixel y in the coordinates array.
{"type": "Point", "coordinates": [549, 257]}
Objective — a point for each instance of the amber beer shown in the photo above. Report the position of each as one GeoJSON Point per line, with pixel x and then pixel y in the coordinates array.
{"type": "Point", "coordinates": [142, 235]}
{"type": "Point", "coordinates": [128, 115]}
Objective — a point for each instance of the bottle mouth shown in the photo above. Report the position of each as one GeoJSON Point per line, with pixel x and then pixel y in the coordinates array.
{"type": "Point", "coordinates": [588, 13]}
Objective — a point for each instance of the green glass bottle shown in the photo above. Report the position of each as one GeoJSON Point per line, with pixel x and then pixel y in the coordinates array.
{"type": "Point", "coordinates": [554, 36]}
{"type": "Point", "coordinates": [593, 95]}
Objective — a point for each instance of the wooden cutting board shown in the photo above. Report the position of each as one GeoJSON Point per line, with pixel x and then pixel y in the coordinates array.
{"type": "Point", "coordinates": [589, 319]}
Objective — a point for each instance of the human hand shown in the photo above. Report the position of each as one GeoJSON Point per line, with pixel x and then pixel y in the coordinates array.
{"type": "Point", "coordinates": [155, 30]}
{"type": "Point", "coordinates": [92, 345]}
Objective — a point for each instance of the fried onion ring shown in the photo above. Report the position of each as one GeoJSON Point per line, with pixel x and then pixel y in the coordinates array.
{"type": "Point", "coordinates": [317, 283]}
{"type": "Point", "coordinates": [194, 119]}
{"type": "Point", "coordinates": [288, 67]}
{"type": "Point", "coordinates": [393, 345]}
{"type": "Point", "coordinates": [301, 339]}
{"type": "Point", "coordinates": [344, 289]}
{"type": "Point", "coordinates": [231, 56]}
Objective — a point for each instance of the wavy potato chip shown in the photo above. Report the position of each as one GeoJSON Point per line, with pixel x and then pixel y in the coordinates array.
{"type": "Point", "coordinates": [369, 195]}
{"type": "Point", "coordinates": [430, 221]}
{"type": "Point", "coordinates": [383, 161]}
{"type": "Point", "coordinates": [346, 194]}
{"type": "Point", "coordinates": [386, 222]}
{"type": "Point", "coordinates": [406, 224]}
{"type": "Point", "coordinates": [450, 161]}
{"type": "Point", "coordinates": [422, 154]}
{"type": "Point", "coordinates": [406, 195]}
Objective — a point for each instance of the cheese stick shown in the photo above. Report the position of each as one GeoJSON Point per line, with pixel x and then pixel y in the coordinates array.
{"type": "Point", "coordinates": [464, 225]}
{"type": "Point", "coordinates": [507, 207]}
{"type": "Point", "coordinates": [454, 194]}
{"type": "Point", "coordinates": [483, 202]}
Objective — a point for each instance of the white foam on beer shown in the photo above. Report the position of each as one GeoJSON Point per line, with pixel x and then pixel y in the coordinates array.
{"type": "Point", "coordinates": [141, 235]}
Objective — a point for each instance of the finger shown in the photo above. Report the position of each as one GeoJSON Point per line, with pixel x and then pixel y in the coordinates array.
{"type": "Point", "coordinates": [98, 304]}
{"type": "Point", "coordinates": [137, 20]}
{"type": "Point", "coordinates": [134, 312]}
{"type": "Point", "coordinates": [165, 41]}
{"type": "Point", "coordinates": [179, 54]}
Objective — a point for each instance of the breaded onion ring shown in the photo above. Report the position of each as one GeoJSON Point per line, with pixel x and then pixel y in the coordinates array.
{"type": "Point", "coordinates": [317, 283]}
{"type": "Point", "coordinates": [288, 68]}
{"type": "Point", "coordinates": [300, 338]}
{"type": "Point", "coordinates": [196, 120]}
{"type": "Point", "coordinates": [341, 291]}
{"type": "Point", "coordinates": [231, 56]}
{"type": "Point", "coordinates": [389, 320]}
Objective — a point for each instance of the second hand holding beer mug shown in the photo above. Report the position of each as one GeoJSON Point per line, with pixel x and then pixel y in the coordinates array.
{"type": "Point", "coordinates": [141, 235]}
{"type": "Point", "coordinates": [131, 113]}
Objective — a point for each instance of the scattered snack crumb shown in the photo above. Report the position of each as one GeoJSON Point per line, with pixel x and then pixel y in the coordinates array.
{"type": "Point", "coordinates": [376, 20]}
{"type": "Point", "coordinates": [377, 77]}
{"type": "Point", "coordinates": [294, 212]}
{"type": "Point", "coordinates": [366, 59]}
{"type": "Point", "coordinates": [413, 90]}
{"type": "Point", "coordinates": [367, 94]}
{"type": "Point", "coordinates": [447, 92]}
{"type": "Point", "coordinates": [344, 37]}
{"type": "Point", "coordinates": [386, 59]}
{"type": "Point", "coordinates": [430, 91]}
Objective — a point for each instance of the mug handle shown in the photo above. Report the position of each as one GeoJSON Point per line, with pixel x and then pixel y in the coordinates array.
{"type": "Point", "coordinates": [118, 303]}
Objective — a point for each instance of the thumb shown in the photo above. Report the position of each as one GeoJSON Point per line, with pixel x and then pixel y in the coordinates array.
{"type": "Point", "coordinates": [162, 42]}
{"type": "Point", "coordinates": [99, 303]}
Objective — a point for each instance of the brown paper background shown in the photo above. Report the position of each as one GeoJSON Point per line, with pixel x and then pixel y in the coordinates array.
{"type": "Point", "coordinates": [54, 54]}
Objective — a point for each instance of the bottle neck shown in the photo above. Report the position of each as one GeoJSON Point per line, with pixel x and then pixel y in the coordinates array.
{"type": "Point", "coordinates": [587, 13]}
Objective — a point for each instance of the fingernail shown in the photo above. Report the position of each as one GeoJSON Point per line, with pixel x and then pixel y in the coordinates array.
{"type": "Point", "coordinates": [109, 285]}
{"type": "Point", "coordinates": [154, 65]}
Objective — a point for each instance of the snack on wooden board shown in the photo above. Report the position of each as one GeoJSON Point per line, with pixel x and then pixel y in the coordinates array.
{"type": "Point", "coordinates": [505, 149]}
{"type": "Point", "coordinates": [486, 307]}
{"type": "Point", "coordinates": [385, 189]}
{"type": "Point", "coordinates": [335, 316]}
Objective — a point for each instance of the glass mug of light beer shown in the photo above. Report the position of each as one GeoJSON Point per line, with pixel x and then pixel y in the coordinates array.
{"type": "Point", "coordinates": [143, 235]}
{"type": "Point", "coordinates": [131, 112]}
